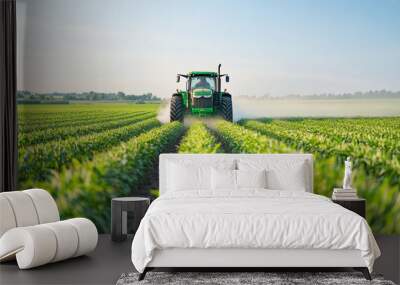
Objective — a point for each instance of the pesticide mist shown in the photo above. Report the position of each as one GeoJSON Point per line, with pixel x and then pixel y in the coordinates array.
{"type": "Point", "coordinates": [251, 108]}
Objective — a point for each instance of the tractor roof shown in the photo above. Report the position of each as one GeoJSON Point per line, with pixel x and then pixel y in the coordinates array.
{"type": "Point", "coordinates": [202, 73]}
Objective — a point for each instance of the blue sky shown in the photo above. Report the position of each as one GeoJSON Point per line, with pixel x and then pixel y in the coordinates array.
{"type": "Point", "coordinates": [267, 47]}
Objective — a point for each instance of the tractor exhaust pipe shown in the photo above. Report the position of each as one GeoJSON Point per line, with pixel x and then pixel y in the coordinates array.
{"type": "Point", "coordinates": [219, 78]}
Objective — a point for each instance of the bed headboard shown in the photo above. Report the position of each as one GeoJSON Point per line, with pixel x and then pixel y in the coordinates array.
{"type": "Point", "coordinates": [166, 157]}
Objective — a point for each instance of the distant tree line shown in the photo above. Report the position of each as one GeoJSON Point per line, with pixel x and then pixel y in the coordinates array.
{"type": "Point", "coordinates": [376, 94]}
{"type": "Point", "coordinates": [28, 96]}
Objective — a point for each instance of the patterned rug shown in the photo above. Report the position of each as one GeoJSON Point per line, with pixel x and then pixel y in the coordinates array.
{"type": "Point", "coordinates": [243, 278]}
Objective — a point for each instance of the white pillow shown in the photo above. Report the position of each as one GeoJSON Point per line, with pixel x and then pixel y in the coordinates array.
{"type": "Point", "coordinates": [223, 179]}
{"type": "Point", "coordinates": [282, 174]}
{"type": "Point", "coordinates": [292, 179]}
{"type": "Point", "coordinates": [193, 174]}
{"type": "Point", "coordinates": [192, 177]}
{"type": "Point", "coordinates": [251, 178]}
{"type": "Point", "coordinates": [227, 179]}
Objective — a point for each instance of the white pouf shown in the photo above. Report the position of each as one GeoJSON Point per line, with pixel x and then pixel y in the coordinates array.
{"type": "Point", "coordinates": [31, 232]}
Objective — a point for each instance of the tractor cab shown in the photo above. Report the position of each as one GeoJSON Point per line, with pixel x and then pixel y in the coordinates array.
{"type": "Point", "coordinates": [202, 80]}
{"type": "Point", "coordinates": [201, 88]}
{"type": "Point", "coordinates": [202, 96]}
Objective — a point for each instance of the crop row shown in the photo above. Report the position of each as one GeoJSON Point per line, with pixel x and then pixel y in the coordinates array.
{"type": "Point", "coordinates": [76, 130]}
{"type": "Point", "coordinates": [27, 118]}
{"type": "Point", "coordinates": [33, 114]}
{"type": "Point", "coordinates": [376, 160]}
{"type": "Point", "coordinates": [199, 140]}
{"type": "Point", "coordinates": [85, 189]}
{"type": "Point", "coordinates": [383, 198]}
{"type": "Point", "coordinates": [36, 163]}
{"type": "Point", "coordinates": [382, 194]}
{"type": "Point", "coordinates": [240, 140]}
{"type": "Point", "coordinates": [379, 133]}
{"type": "Point", "coordinates": [30, 112]}
{"type": "Point", "coordinates": [68, 121]}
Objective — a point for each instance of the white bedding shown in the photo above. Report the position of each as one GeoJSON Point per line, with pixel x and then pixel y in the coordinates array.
{"type": "Point", "coordinates": [250, 219]}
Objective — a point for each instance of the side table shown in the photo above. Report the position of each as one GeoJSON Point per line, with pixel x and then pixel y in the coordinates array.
{"type": "Point", "coordinates": [119, 215]}
{"type": "Point", "coordinates": [357, 205]}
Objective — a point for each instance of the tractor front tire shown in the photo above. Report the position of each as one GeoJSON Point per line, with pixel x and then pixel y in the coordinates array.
{"type": "Point", "coordinates": [226, 108]}
{"type": "Point", "coordinates": [176, 109]}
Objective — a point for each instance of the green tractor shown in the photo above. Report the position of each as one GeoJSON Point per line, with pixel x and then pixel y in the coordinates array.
{"type": "Point", "coordinates": [202, 97]}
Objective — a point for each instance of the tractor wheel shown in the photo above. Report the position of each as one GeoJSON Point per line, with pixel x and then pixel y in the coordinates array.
{"type": "Point", "coordinates": [226, 108]}
{"type": "Point", "coordinates": [176, 109]}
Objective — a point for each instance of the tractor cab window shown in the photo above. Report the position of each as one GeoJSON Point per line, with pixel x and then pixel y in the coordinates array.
{"type": "Point", "coordinates": [202, 82]}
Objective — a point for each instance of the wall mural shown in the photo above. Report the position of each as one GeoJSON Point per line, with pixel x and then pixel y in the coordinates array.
{"type": "Point", "coordinates": [96, 81]}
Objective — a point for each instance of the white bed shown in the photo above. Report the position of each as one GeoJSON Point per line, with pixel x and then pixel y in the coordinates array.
{"type": "Point", "coordinates": [248, 227]}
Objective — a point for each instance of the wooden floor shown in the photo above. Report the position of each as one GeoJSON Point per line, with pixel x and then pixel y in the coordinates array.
{"type": "Point", "coordinates": [110, 260]}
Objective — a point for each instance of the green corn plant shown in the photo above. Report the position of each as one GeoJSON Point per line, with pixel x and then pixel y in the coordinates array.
{"type": "Point", "coordinates": [36, 163]}
{"type": "Point", "coordinates": [86, 188]}
{"type": "Point", "coordinates": [241, 140]}
{"type": "Point", "coordinates": [199, 140]}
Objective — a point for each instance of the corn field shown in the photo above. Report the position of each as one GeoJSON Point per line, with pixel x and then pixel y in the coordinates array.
{"type": "Point", "coordinates": [85, 154]}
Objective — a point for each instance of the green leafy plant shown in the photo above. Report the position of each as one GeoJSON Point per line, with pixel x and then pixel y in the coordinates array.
{"type": "Point", "coordinates": [67, 121]}
{"type": "Point", "coordinates": [77, 130]}
{"type": "Point", "coordinates": [199, 140]}
{"type": "Point", "coordinates": [86, 188]}
{"type": "Point", "coordinates": [37, 162]}
{"type": "Point", "coordinates": [241, 140]}
{"type": "Point", "coordinates": [375, 159]}
{"type": "Point", "coordinates": [328, 143]}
